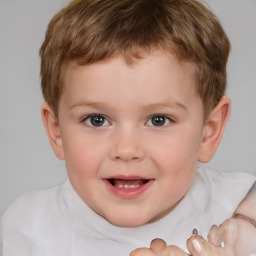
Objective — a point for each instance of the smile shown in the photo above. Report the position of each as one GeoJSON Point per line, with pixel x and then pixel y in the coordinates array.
{"type": "Point", "coordinates": [128, 187]}
{"type": "Point", "coordinates": [128, 183]}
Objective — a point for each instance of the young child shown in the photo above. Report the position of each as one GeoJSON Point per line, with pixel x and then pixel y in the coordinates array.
{"type": "Point", "coordinates": [134, 98]}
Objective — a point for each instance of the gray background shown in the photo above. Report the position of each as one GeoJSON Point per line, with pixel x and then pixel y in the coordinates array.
{"type": "Point", "coordinates": [26, 159]}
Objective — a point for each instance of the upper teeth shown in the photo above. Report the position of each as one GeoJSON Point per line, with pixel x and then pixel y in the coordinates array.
{"type": "Point", "coordinates": [127, 186]}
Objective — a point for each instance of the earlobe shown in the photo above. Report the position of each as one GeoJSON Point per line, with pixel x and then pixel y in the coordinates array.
{"type": "Point", "coordinates": [51, 125]}
{"type": "Point", "coordinates": [214, 129]}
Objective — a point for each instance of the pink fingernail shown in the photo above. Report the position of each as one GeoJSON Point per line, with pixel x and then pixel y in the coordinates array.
{"type": "Point", "coordinates": [197, 246]}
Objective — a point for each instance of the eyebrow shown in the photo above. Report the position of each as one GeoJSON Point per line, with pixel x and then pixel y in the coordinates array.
{"type": "Point", "coordinates": [149, 107]}
{"type": "Point", "coordinates": [90, 104]}
{"type": "Point", "coordinates": [154, 106]}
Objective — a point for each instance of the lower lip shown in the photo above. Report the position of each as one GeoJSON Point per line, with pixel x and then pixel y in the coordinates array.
{"type": "Point", "coordinates": [128, 193]}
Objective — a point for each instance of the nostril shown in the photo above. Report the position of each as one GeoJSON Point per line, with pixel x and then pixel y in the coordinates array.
{"type": "Point", "coordinates": [126, 146]}
{"type": "Point", "coordinates": [127, 155]}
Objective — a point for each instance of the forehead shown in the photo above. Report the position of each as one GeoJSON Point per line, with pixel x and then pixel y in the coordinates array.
{"type": "Point", "coordinates": [142, 62]}
{"type": "Point", "coordinates": [150, 76]}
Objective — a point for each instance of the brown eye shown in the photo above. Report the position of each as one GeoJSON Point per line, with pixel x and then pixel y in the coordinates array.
{"type": "Point", "coordinates": [158, 121]}
{"type": "Point", "coordinates": [96, 121]}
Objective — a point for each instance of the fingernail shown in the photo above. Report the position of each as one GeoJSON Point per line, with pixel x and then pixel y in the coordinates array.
{"type": "Point", "coordinates": [222, 244]}
{"type": "Point", "coordinates": [195, 232]}
{"type": "Point", "coordinates": [196, 246]}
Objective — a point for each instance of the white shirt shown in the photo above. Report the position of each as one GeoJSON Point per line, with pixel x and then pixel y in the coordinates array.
{"type": "Point", "coordinates": [56, 222]}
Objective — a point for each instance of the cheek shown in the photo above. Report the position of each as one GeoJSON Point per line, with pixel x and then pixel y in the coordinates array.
{"type": "Point", "coordinates": [176, 160]}
{"type": "Point", "coordinates": [177, 152]}
{"type": "Point", "coordinates": [83, 156]}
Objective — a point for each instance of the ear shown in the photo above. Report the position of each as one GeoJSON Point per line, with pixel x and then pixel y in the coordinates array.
{"type": "Point", "coordinates": [214, 129]}
{"type": "Point", "coordinates": [51, 125]}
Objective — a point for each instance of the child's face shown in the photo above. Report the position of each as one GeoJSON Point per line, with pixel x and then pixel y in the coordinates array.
{"type": "Point", "coordinates": [131, 136]}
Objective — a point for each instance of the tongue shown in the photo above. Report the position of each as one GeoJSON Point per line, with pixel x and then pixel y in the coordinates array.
{"type": "Point", "coordinates": [127, 182]}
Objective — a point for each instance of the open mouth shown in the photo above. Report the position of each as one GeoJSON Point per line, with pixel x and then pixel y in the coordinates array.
{"type": "Point", "coordinates": [128, 184]}
{"type": "Point", "coordinates": [128, 187]}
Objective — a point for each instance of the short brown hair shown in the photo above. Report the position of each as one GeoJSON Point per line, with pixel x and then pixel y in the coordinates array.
{"type": "Point", "coordinates": [88, 31]}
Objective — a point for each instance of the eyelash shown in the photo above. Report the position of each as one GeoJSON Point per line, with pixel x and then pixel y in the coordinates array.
{"type": "Point", "coordinates": [104, 119]}
{"type": "Point", "coordinates": [166, 118]}
{"type": "Point", "coordinates": [89, 118]}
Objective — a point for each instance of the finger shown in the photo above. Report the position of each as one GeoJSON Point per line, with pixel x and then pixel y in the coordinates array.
{"type": "Point", "coordinates": [197, 246]}
{"type": "Point", "coordinates": [214, 236]}
{"type": "Point", "coordinates": [194, 245]}
{"type": "Point", "coordinates": [229, 233]}
{"type": "Point", "coordinates": [246, 237]}
{"type": "Point", "coordinates": [173, 250]}
{"type": "Point", "coordinates": [157, 245]}
{"type": "Point", "coordinates": [141, 252]}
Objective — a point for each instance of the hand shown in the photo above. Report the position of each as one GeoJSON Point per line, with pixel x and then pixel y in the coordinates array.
{"type": "Point", "coordinates": [158, 247]}
{"type": "Point", "coordinates": [197, 246]}
{"type": "Point", "coordinates": [238, 233]}
{"type": "Point", "coordinates": [234, 237]}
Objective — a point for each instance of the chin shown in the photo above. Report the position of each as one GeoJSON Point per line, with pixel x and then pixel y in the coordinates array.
{"type": "Point", "coordinates": [127, 221]}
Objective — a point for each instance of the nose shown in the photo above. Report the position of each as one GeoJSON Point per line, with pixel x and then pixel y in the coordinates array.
{"type": "Point", "coordinates": [127, 146]}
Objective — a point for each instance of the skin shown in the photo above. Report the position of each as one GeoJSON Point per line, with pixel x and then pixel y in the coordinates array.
{"type": "Point", "coordinates": [158, 247]}
{"type": "Point", "coordinates": [128, 145]}
{"type": "Point", "coordinates": [236, 236]}
{"type": "Point", "coordinates": [237, 233]}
